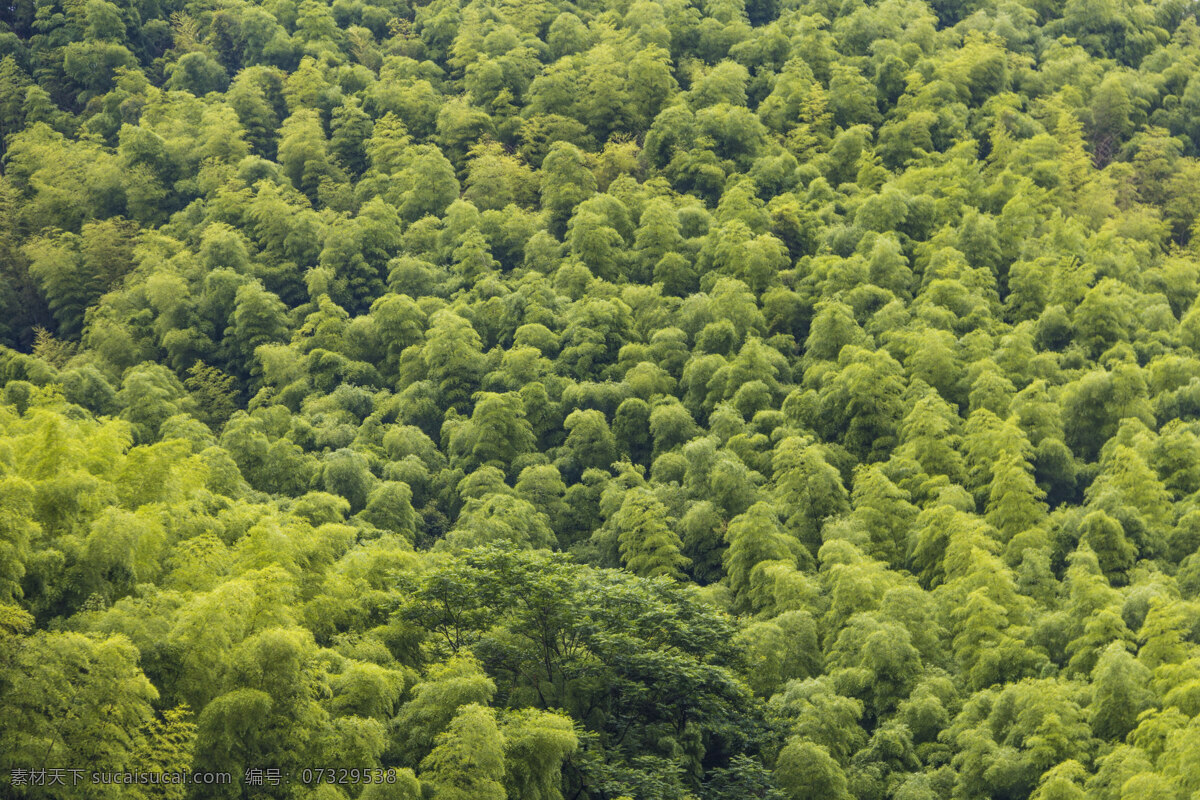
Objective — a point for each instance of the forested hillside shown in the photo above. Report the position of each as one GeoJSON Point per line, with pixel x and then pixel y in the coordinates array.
{"type": "Point", "coordinates": [551, 400]}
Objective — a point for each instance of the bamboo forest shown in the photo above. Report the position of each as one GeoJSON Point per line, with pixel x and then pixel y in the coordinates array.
{"type": "Point", "coordinates": [600, 399]}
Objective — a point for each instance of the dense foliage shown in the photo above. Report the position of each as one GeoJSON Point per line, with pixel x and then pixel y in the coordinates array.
{"type": "Point", "coordinates": [665, 399]}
